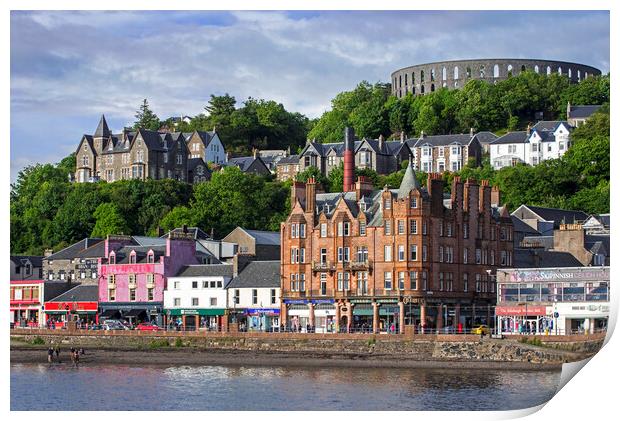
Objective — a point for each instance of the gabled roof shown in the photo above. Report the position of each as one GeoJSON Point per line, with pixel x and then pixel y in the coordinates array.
{"type": "Point", "coordinates": [35, 261]}
{"type": "Point", "coordinates": [511, 137]}
{"type": "Point", "coordinates": [266, 238]}
{"type": "Point", "coordinates": [73, 251]}
{"type": "Point", "coordinates": [102, 128]}
{"type": "Point", "coordinates": [206, 270]}
{"type": "Point", "coordinates": [79, 293]}
{"type": "Point", "coordinates": [258, 274]}
{"type": "Point", "coordinates": [583, 111]}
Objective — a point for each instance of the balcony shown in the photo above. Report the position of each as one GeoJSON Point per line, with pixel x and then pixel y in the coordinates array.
{"type": "Point", "coordinates": [323, 266]}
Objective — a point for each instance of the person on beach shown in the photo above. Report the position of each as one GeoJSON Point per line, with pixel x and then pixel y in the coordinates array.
{"type": "Point", "coordinates": [50, 354]}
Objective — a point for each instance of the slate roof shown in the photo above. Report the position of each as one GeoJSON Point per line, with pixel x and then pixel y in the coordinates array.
{"type": "Point", "coordinates": [79, 293]}
{"type": "Point", "coordinates": [583, 111]}
{"type": "Point", "coordinates": [559, 216]}
{"type": "Point", "coordinates": [441, 140]}
{"type": "Point", "coordinates": [258, 274]}
{"type": "Point", "coordinates": [72, 251]}
{"type": "Point", "coordinates": [102, 129]}
{"type": "Point", "coordinates": [265, 238]}
{"type": "Point", "coordinates": [292, 159]}
{"type": "Point", "coordinates": [520, 226]}
{"type": "Point", "coordinates": [511, 137]}
{"type": "Point", "coordinates": [206, 270]}
{"type": "Point", "coordinates": [486, 137]}
{"type": "Point", "coordinates": [36, 261]}
{"type": "Point", "coordinates": [536, 258]}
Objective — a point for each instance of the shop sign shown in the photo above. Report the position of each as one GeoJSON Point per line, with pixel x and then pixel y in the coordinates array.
{"type": "Point", "coordinates": [521, 311]}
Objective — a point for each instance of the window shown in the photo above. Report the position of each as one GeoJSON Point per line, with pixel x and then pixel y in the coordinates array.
{"type": "Point", "coordinates": [362, 227]}
{"type": "Point", "coordinates": [273, 296]}
{"type": "Point", "coordinates": [254, 296]}
{"type": "Point", "coordinates": [132, 295]}
{"type": "Point", "coordinates": [401, 280]}
{"type": "Point", "coordinates": [387, 227]}
{"type": "Point", "coordinates": [413, 280]}
{"type": "Point", "coordinates": [177, 302]}
{"type": "Point", "coordinates": [387, 280]}
{"type": "Point", "coordinates": [387, 253]}
{"type": "Point", "coordinates": [323, 230]}
{"type": "Point", "coordinates": [413, 252]}
{"type": "Point", "coordinates": [401, 227]}
{"type": "Point", "coordinates": [413, 226]}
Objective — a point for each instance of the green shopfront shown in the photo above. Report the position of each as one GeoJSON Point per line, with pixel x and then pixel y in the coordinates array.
{"type": "Point", "coordinates": [211, 319]}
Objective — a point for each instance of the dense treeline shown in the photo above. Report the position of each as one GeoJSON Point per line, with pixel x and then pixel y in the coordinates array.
{"type": "Point", "coordinates": [49, 212]}
{"type": "Point", "coordinates": [258, 123]}
{"type": "Point", "coordinates": [507, 105]}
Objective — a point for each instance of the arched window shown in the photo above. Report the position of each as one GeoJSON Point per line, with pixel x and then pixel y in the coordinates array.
{"type": "Point", "coordinates": [509, 70]}
{"type": "Point", "coordinates": [496, 71]}
{"type": "Point", "coordinates": [548, 70]}
{"type": "Point", "coordinates": [422, 76]}
{"type": "Point", "coordinates": [456, 72]}
{"type": "Point", "coordinates": [444, 73]}
{"type": "Point", "coordinates": [536, 69]}
{"type": "Point", "coordinates": [482, 71]}
{"type": "Point", "coordinates": [468, 72]}
{"type": "Point", "coordinates": [433, 74]}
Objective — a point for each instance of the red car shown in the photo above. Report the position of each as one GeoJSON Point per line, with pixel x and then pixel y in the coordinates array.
{"type": "Point", "coordinates": [147, 326]}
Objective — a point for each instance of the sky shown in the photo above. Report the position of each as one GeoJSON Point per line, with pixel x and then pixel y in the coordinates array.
{"type": "Point", "coordinates": [68, 68]}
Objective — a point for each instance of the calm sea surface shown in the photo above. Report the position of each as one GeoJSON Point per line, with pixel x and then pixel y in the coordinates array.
{"type": "Point", "coordinates": [115, 387]}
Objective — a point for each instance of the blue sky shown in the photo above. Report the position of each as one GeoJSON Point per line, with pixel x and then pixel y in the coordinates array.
{"type": "Point", "coordinates": [67, 68]}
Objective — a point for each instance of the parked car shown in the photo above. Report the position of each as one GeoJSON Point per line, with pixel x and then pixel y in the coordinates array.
{"type": "Point", "coordinates": [481, 330]}
{"type": "Point", "coordinates": [147, 326]}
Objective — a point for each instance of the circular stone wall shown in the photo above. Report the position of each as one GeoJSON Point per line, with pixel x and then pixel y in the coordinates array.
{"type": "Point", "coordinates": [424, 78]}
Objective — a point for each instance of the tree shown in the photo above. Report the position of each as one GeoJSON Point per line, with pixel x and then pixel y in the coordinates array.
{"type": "Point", "coordinates": [108, 221]}
{"type": "Point", "coordinates": [145, 118]}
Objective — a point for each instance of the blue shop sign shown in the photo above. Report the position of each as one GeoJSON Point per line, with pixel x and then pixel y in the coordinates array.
{"type": "Point", "coordinates": [259, 311]}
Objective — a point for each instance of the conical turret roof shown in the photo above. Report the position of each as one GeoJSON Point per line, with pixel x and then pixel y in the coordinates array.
{"type": "Point", "coordinates": [409, 182]}
{"type": "Point", "coordinates": [102, 128]}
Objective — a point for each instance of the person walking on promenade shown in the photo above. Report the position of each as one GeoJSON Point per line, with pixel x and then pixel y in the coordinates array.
{"type": "Point", "coordinates": [50, 355]}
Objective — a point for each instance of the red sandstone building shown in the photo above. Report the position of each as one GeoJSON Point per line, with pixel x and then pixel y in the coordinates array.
{"type": "Point", "coordinates": [391, 260]}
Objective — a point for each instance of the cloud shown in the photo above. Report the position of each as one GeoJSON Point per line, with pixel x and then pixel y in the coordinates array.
{"type": "Point", "coordinates": [69, 67]}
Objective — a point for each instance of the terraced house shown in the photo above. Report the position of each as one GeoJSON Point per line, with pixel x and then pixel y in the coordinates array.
{"type": "Point", "coordinates": [143, 154]}
{"type": "Point", "coordinates": [393, 260]}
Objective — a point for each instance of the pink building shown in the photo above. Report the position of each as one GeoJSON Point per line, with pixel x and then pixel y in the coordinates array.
{"type": "Point", "coordinates": [132, 278]}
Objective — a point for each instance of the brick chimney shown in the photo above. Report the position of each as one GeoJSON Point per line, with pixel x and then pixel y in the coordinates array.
{"type": "Point", "coordinates": [363, 187]}
{"type": "Point", "coordinates": [310, 195]}
{"type": "Point", "coordinates": [349, 159]}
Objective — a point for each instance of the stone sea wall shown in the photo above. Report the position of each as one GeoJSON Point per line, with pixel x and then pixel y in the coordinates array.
{"type": "Point", "coordinates": [420, 348]}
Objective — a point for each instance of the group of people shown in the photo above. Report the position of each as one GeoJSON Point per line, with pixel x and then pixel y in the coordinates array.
{"type": "Point", "coordinates": [55, 351]}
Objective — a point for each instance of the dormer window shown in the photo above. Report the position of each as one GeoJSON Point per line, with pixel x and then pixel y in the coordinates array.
{"type": "Point", "coordinates": [132, 257]}
{"type": "Point", "coordinates": [112, 258]}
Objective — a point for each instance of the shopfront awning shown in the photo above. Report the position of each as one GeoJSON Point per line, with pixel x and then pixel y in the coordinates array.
{"type": "Point", "coordinates": [196, 312]}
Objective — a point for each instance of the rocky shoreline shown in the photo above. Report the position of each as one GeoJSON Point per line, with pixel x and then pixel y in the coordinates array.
{"type": "Point", "coordinates": [196, 357]}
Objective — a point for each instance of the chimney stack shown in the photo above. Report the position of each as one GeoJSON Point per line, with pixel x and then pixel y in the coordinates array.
{"type": "Point", "coordinates": [349, 159]}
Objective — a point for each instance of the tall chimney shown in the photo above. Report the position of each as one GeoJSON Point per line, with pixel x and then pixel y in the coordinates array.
{"type": "Point", "coordinates": [349, 159]}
